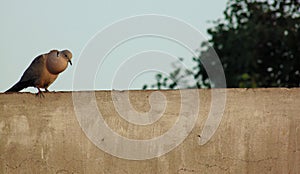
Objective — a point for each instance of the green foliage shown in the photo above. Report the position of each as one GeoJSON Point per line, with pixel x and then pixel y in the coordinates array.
{"type": "Point", "coordinates": [258, 43]}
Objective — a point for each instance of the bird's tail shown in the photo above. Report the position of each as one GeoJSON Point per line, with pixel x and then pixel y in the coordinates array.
{"type": "Point", "coordinates": [18, 87]}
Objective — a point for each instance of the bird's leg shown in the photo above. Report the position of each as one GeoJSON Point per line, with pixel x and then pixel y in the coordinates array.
{"type": "Point", "coordinates": [40, 93]}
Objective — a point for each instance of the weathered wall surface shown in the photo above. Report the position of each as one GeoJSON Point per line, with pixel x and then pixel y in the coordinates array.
{"type": "Point", "coordinates": [259, 133]}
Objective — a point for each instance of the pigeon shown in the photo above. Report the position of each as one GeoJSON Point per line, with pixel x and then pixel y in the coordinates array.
{"type": "Point", "coordinates": [43, 71]}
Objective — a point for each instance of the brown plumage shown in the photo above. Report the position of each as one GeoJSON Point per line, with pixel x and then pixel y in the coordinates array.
{"type": "Point", "coordinates": [43, 71]}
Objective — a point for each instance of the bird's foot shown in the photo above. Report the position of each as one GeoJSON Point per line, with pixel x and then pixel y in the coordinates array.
{"type": "Point", "coordinates": [40, 93]}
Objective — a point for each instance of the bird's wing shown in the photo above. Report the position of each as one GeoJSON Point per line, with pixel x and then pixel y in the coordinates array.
{"type": "Point", "coordinates": [33, 72]}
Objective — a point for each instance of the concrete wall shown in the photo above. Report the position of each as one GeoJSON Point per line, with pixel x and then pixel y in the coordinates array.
{"type": "Point", "coordinates": [259, 133]}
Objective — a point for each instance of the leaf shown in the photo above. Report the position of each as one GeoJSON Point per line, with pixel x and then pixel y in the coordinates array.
{"type": "Point", "coordinates": [158, 77]}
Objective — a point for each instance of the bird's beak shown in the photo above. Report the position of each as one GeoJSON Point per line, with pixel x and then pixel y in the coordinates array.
{"type": "Point", "coordinates": [70, 62]}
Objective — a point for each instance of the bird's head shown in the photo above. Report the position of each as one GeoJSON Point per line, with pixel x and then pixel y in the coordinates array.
{"type": "Point", "coordinates": [66, 54]}
{"type": "Point", "coordinates": [57, 61]}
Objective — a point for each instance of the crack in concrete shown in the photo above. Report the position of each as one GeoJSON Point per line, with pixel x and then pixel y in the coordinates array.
{"type": "Point", "coordinates": [252, 161]}
{"type": "Point", "coordinates": [16, 166]}
{"type": "Point", "coordinates": [214, 165]}
{"type": "Point", "coordinates": [186, 170]}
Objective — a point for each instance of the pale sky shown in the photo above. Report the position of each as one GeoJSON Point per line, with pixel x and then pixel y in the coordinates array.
{"type": "Point", "coordinates": [30, 28]}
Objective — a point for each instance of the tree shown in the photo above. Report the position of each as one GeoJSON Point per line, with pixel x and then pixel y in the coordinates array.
{"type": "Point", "coordinates": [258, 43]}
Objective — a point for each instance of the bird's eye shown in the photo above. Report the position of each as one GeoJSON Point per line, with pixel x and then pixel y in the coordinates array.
{"type": "Point", "coordinates": [66, 56]}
